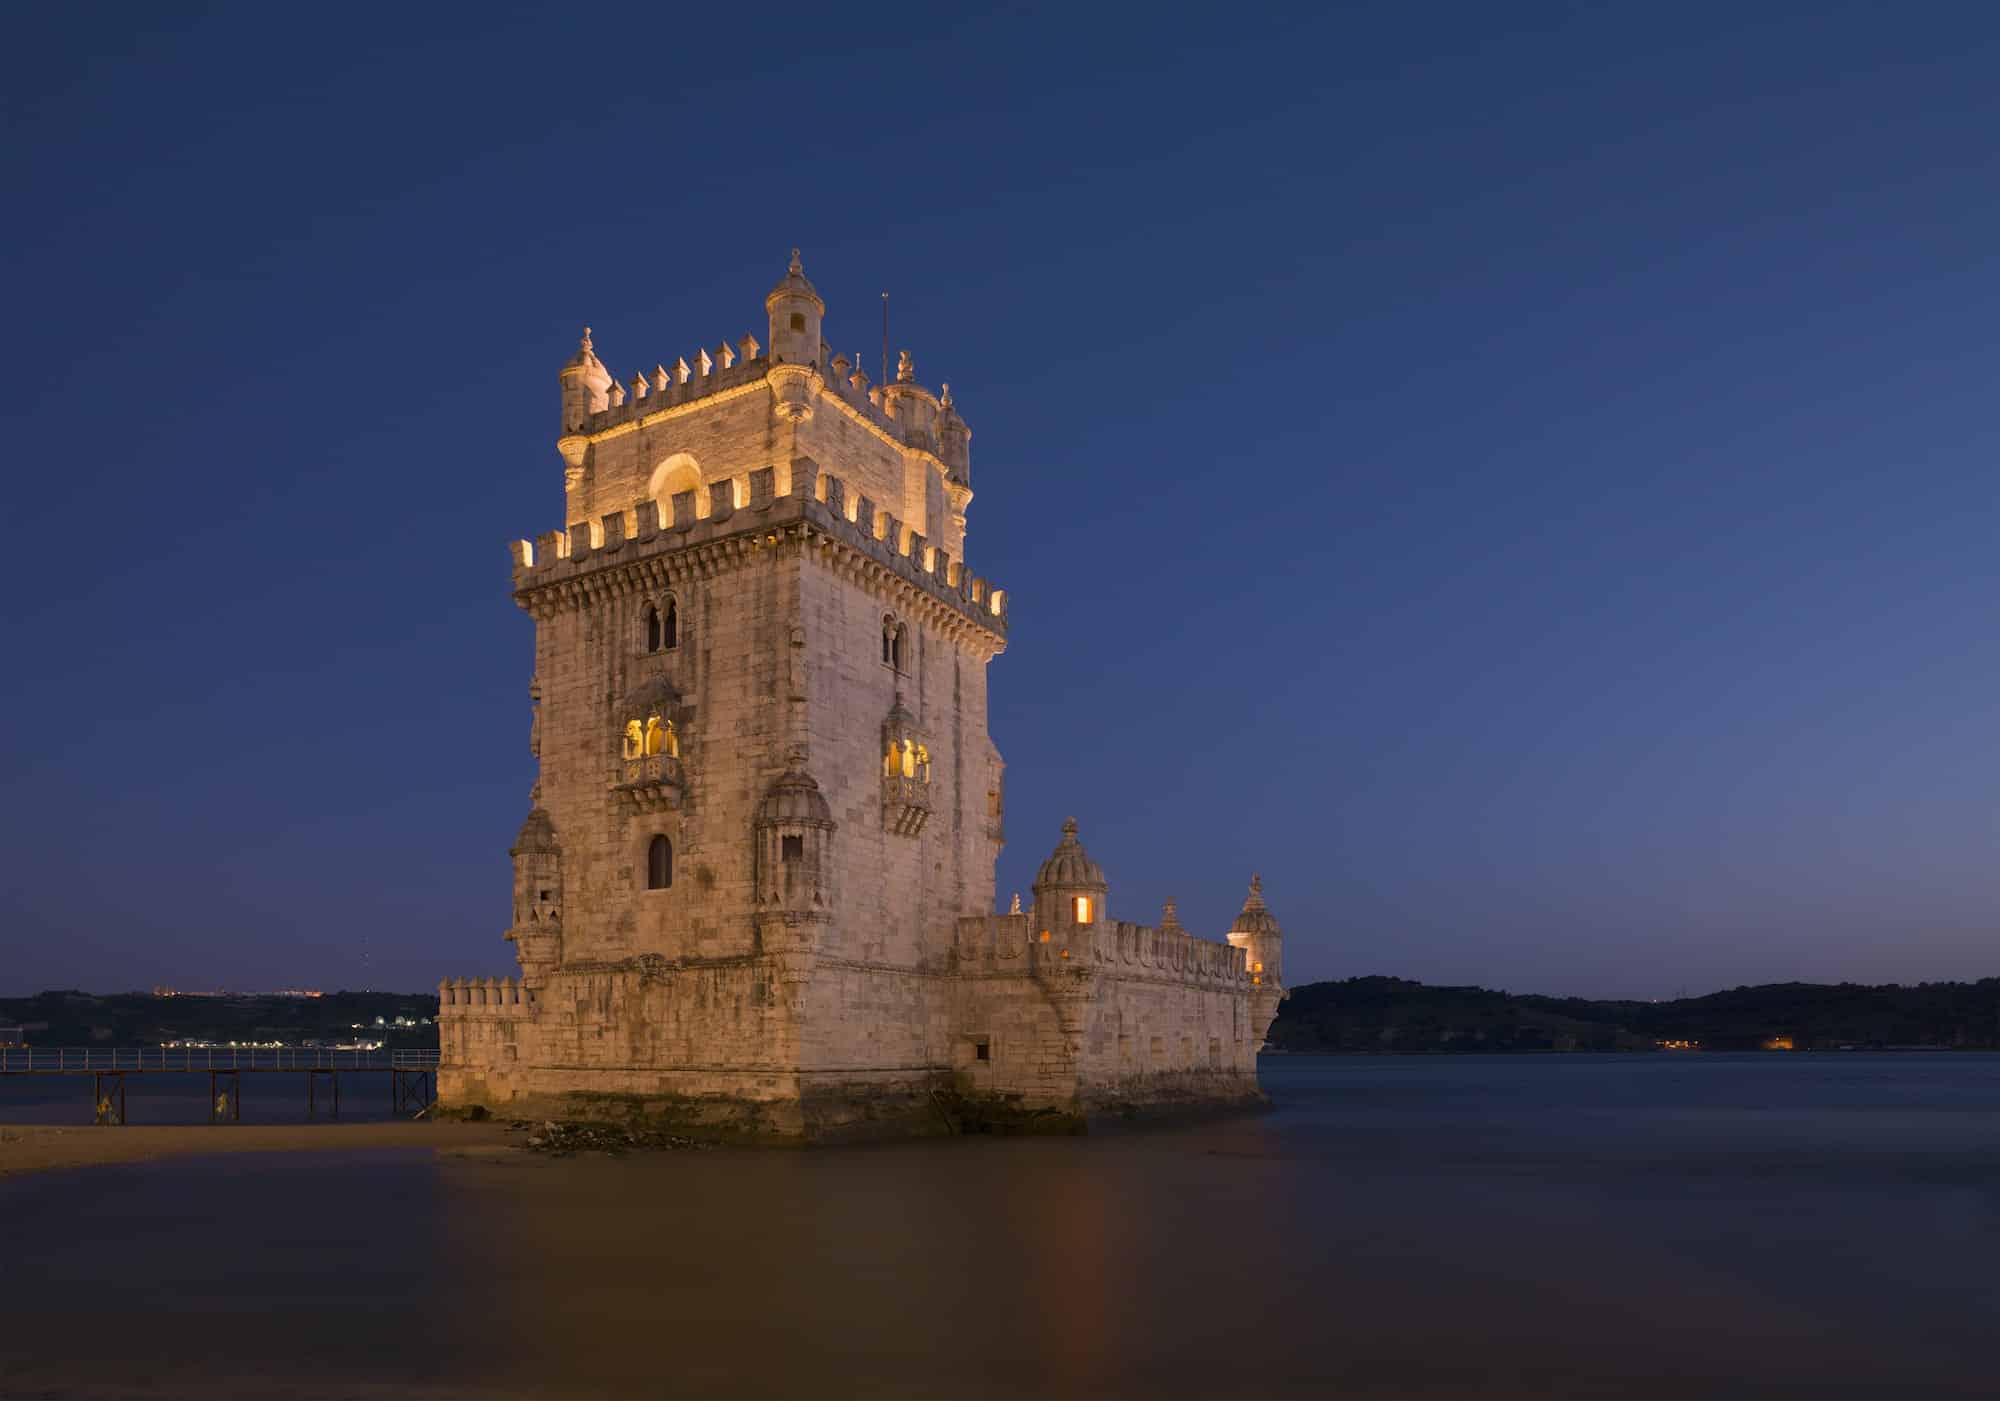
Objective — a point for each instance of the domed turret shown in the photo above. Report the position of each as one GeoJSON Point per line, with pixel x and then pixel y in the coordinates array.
{"type": "Point", "coordinates": [1256, 932]}
{"type": "Point", "coordinates": [586, 385]}
{"type": "Point", "coordinates": [794, 831]}
{"type": "Point", "coordinates": [538, 897]}
{"type": "Point", "coordinates": [1069, 890]}
{"type": "Point", "coordinates": [796, 311]}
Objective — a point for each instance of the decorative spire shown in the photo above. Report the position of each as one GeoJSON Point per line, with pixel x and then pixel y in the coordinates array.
{"type": "Point", "coordinates": [1015, 908]}
{"type": "Point", "coordinates": [906, 368]}
{"type": "Point", "coordinates": [584, 345]}
{"type": "Point", "coordinates": [795, 270]}
{"type": "Point", "coordinates": [1069, 828]}
{"type": "Point", "coordinates": [1256, 900]}
{"type": "Point", "coordinates": [704, 364]}
{"type": "Point", "coordinates": [944, 400]}
{"type": "Point", "coordinates": [681, 370]}
{"type": "Point", "coordinates": [726, 354]}
{"type": "Point", "coordinates": [660, 377]}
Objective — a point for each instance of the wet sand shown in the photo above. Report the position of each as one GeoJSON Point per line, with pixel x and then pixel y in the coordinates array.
{"type": "Point", "coordinates": [26, 1148]}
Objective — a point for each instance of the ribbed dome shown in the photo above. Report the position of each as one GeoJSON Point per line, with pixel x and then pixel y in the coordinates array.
{"type": "Point", "coordinates": [795, 285]}
{"type": "Point", "coordinates": [654, 696]}
{"type": "Point", "coordinates": [537, 833]}
{"type": "Point", "coordinates": [794, 798]}
{"type": "Point", "coordinates": [586, 357]}
{"type": "Point", "coordinates": [1256, 917]}
{"type": "Point", "coordinates": [1069, 863]}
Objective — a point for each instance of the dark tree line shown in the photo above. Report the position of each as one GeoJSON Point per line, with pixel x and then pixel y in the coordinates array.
{"type": "Point", "coordinates": [1393, 1014]}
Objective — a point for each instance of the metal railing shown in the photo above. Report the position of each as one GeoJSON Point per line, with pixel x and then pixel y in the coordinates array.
{"type": "Point", "coordinates": [62, 1060]}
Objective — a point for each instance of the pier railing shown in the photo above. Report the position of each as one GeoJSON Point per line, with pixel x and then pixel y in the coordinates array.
{"type": "Point", "coordinates": [61, 1060]}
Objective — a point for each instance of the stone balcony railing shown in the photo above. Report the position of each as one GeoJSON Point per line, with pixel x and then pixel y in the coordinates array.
{"type": "Point", "coordinates": [651, 783]}
{"type": "Point", "coordinates": [906, 804]}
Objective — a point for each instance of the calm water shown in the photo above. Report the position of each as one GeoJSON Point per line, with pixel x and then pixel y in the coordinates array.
{"type": "Point", "coordinates": [1505, 1226]}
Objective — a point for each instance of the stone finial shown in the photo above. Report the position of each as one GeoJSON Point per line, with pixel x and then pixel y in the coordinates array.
{"type": "Point", "coordinates": [840, 366]}
{"type": "Point", "coordinates": [638, 386]}
{"type": "Point", "coordinates": [795, 269]}
{"type": "Point", "coordinates": [944, 400]}
{"type": "Point", "coordinates": [859, 379]}
{"type": "Point", "coordinates": [726, 355]}
{"type": "Point", "coordinates": [681, 370]}
{"type": "Point", "coordinates": [660, 380]}
{"type": "Point", "coordinates": [796, 756]}
{"type": "Point", "coordinates": [703, 363]}
{"type": "Point", "coordinates": [617, 394]}
{"type": "Point", "coordinates": [1015, 908]}
{"type": "Point", "coordinates": [1256, 900]}
{"type": "Point", "coordinates": [1069, 826]}
{"type": "Point", "coordinates": [749, 347]}
{"type": "Point", "coordinates": [584, 346]}
{"type": "Point", "coordinates": [906, 368]}
{"type": "Point", "coordinates": [1170, 916]}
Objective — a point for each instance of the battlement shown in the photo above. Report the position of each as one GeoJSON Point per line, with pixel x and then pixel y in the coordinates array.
{"type": "Point", "coordinates": [746, 506]}
{"type": "Point", "coordinates": [670, 387]}
{"type": "Point", "coordinates": [1015, 943]}
{"type": "Point", "coordinates": [903, 411]}
{"type": "Point", "coordinates": [485, 997]}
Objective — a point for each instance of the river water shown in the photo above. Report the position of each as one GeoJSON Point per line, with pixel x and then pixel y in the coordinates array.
{"type": "Point", "coordinates": [1642, 1226]}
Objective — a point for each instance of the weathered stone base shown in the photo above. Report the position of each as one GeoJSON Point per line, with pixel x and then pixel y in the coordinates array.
{"type": "Point", "coordinates": [798, 1109]}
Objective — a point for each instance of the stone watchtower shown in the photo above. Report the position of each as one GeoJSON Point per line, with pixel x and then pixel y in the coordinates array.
{"type": "Point", "coordinates": [755, 883]}
{"type": "Point", "coordinates": [766, 790]}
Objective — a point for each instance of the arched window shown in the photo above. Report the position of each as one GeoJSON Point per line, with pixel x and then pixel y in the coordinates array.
{"type": "Point", "coordinates": [888, 640]}
{"type": "Point", "coordinates": [670, 627]}
{"type": "Point", "coordinates": [652, 628]}
{"type": "Point", "coordinates": [897, 648]}
{"type": "Point", "coordinates": [1081, 908]}
{"type": "Point", "coordinates": [659, 864]}
{"type": "Point", "coordinates": [909, 760]}
{"type": "Point", "coordinates": [635, 739]}
{"type": "Point", "coordinates": [661, 739]}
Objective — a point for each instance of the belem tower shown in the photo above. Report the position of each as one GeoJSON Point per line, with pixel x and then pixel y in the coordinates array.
{"type": "Point", "coordinates": [755, 888]}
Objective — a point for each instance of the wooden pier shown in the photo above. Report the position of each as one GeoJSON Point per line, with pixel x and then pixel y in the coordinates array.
{"type": "Point", "coordinates": [412, 1074]}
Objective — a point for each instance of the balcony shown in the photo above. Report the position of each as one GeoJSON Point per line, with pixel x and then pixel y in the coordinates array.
{"type": "Point", "coordinates": [652, 783]}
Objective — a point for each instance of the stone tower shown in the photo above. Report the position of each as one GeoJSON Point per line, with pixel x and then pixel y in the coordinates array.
{"type": "Point", "coordinates": [754, 886]}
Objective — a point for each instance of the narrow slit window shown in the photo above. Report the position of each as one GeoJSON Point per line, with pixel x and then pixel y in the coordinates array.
{"type": "Point", "coordinates": [659, 864]}
{"type": "Point", "coordinates": [1081, 905]}
{"type": "Point", "coordinates": [652, 628]}
{"type": "Point", "coordinates": [670, 627]}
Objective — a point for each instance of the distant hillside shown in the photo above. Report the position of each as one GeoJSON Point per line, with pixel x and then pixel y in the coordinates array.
{"type": "Point", "coordinates": [72, 1018]}
{"type": "Point", "coordinates": [1394, 1015]}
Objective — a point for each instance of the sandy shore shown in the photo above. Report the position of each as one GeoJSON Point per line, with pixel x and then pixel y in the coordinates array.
{"type": "Point", "coordinates": [48, 1147]}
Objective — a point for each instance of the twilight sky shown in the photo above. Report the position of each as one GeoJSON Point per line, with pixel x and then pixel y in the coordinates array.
{"type": "Point", "coordinates": [1521, 477]}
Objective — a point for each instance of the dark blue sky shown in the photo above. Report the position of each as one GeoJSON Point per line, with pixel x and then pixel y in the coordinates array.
{"type": "Point", "coordinates": [1521, 477]}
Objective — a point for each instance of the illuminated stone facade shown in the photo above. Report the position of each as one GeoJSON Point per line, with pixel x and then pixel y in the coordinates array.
{"type": "Point", "coordinates": [754, 887]}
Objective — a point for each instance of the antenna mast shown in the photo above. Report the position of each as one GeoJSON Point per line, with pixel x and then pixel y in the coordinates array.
{"type": "Point", "coordinates": [885, 340]}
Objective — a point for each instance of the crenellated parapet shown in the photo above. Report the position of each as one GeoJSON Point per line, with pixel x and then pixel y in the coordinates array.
{"type": "Point", "coordinates": [489, 999]}
{"type": "Point", "coordinates": [1017, 944]}
{"type": "Point", "coordinates": [648, 544]}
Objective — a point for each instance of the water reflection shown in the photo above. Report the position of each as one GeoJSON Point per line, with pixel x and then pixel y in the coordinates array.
{"type": "Point", "coordinates": [1676, 1226]}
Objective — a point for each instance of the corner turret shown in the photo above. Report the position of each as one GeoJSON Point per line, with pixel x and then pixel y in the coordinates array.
{"type": "Point", "coordinates": [1256, 933]}
{"type": "Point", "coordinates": [586, 385]}
{"type": "Point", "coordinates": [795, 310]}
{"type": "Point", "coordinates": [1070, 894]}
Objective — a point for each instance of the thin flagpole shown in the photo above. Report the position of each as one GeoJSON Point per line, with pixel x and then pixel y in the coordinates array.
{"type": "Point", "coordinates": [885, 340]}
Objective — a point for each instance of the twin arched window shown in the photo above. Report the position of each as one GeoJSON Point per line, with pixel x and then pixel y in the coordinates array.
{"type": "Point", "coordinates": [663, 627]}
{"type": "Point", "coordinates": [895, 642]}
{"type": "Point", "coordinates": [655, 736]}
{"type": "Point", "coordinates": [659, 864]}
{"type": "Point", "coordinates": [907, 759]}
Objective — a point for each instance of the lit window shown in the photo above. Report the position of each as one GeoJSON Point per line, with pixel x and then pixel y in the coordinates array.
{"type": "Point", "coordinates": [659, 864]}
{"type": "Point", "coordinates": [798, 321]}
{"type": "Point", "coordinates": [635, 739]}
{"type": "Point", "coordinates": [1081, 905]}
